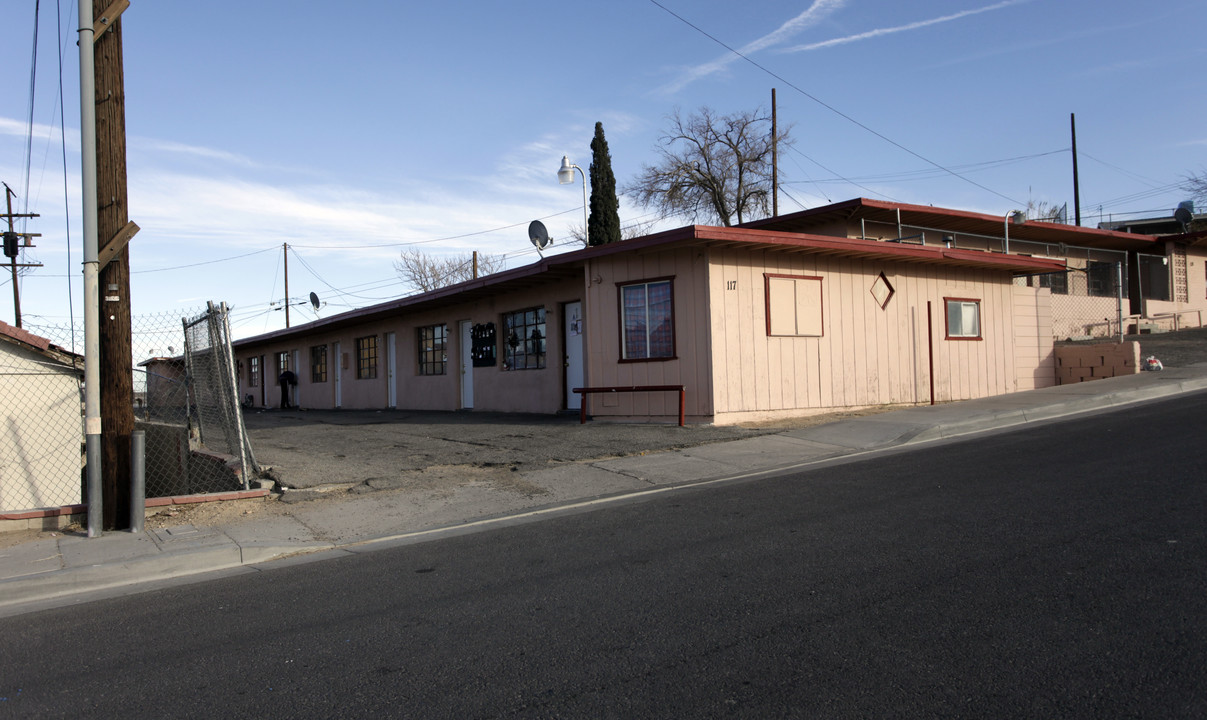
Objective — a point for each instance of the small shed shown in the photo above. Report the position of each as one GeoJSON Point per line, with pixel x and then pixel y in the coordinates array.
{"type": "Point", "coordinates": [41, 425]}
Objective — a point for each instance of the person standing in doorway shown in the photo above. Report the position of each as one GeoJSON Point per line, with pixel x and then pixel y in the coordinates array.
{"type": "Point", "coordinates": [287, 380]}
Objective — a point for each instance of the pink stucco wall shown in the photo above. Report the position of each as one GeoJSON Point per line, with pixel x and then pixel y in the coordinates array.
{"type": "Point", "coordinates": [538, 391]}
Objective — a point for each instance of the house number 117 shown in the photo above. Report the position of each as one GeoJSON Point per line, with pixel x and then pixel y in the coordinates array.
{"type": "Point", "coordinates": [731, 284]}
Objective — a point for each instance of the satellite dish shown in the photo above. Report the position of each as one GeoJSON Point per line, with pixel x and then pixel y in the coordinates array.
{"type": "Point", "coordinates": [538, 235]}
{"type": "Point", "coordinates": [314, 301]}
{"type": "Point", "coordinates": [1184, 214]}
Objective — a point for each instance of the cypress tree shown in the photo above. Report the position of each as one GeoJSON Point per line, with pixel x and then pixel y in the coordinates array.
{"type": "Point", "coordinates": [603, 225]}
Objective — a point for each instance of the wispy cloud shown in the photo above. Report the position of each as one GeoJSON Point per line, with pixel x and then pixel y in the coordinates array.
{"type": "Point", "coordinates": [899, 28]}
{"type": "Point", "coordinates": [41, 132]}
{"type": "Point", "coordinates": [167, 146]}
{"type": "Point", "coordinates": [816, 12]}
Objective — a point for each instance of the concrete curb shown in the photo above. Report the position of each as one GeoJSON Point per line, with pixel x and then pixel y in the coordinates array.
{"type": "Point", "coordinates": [122, 559]}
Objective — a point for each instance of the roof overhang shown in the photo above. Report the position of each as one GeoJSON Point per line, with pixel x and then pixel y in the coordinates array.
{"type": "Point", "coordinates": [956, 221]}
{"type": "Point", "coordinates": [747, 239]}
{"type": "Point", "coordinates": [565, 266]}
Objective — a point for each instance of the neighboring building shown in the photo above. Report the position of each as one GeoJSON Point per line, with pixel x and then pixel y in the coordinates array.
{"type": "Point", "coordinates": [854, 304]}
{"type": "Point", "coordinates": [41, 426]}
{"type": "Point", "coordinates": [165, 396]}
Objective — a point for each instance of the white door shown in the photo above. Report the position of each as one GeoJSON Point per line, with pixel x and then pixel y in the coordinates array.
{"type": "Point", "coordinates": [467, 365]}
{"type": "Point", "coordinates": [391, 379]}
{"type": "Point", "coordinates": [573, 325]}
{"type": "Point", "coordinates": [338, 362]}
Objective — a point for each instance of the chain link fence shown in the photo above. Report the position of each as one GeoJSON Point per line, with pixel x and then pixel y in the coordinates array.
{"type": "Point", "coordinates": [1087, 299]}
{"type": "Point", "coordinates": [214, 381]}
{"type": "Point", "coordinates": [185, 400]}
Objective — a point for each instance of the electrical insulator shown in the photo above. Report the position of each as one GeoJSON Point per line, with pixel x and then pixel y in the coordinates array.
{"type": "Point", "coordinates": [10, 244]}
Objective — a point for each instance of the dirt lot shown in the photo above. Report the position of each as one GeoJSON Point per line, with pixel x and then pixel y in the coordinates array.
{"type": "Point", "coordinates": [400, 451]}
{"type": "Point", "coordinates": [367, 451]}
{"type": "Point", "coordinates": [328, 455]}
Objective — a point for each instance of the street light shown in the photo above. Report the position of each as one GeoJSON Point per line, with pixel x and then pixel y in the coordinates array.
{"type": "Point", "coordinates": [565, 176]}
{"type": "Point", "coordinates": [1018, 217]}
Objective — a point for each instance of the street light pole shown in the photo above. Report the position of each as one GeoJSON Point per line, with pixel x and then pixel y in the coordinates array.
{"type": "Point", "coordinates": [1018, 217]}
{"type": "Point", "coordinates": [565, 176]}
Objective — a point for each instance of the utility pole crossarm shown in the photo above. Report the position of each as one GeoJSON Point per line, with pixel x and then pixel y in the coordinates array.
{"type": "Point", "coordinates": [108, 17]}
{"type": "Point", "coordinates": [117, 243]}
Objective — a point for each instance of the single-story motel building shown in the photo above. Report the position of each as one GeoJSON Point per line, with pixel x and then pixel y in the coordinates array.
{"type": "Point", "coordinates": [855, 304]}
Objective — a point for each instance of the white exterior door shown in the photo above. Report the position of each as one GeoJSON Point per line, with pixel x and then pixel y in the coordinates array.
{"type": "Point", "coordinates": [391, 376]}
{"type": "Point", "coordinates": [573, 327]}
{"type": "Point", "coordinates": [467, 365]}
{"type": "Point", "coordinates": [338, 363]}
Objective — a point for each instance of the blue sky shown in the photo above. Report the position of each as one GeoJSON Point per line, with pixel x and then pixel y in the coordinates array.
{"type": "Point", "coordinates": [352, 131]}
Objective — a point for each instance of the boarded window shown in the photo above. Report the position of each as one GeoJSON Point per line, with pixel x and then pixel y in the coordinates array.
{"type": "Point", "coordinates": [794, 306]}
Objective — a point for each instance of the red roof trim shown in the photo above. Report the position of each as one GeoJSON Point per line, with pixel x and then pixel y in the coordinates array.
{"type": "Point", "coordinates": [688, 235]}
{"type": "Point", "coordinates": [886, 250]}
{"type": "Point", "coordinates": [24, 336]}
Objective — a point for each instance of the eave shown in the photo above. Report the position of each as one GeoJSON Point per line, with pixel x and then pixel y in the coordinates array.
{"type": "Point", "coordinates": [957, 222]}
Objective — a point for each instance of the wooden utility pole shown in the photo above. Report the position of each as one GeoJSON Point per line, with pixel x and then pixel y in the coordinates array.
{"type": "Point", "coordinates": [18, 240]}
{"type": "Point", "coordinates": [285, 250]}
{"type": "Point", "coordinates": [1076, 181]}
{"type": "Point", "coordinates": [113, 230]}
{"type": "Point", "coordinates": [775, 161]}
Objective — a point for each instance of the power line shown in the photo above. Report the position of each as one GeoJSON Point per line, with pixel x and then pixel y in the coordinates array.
{"type": "Point", "coordinates": [33, 75]}
{"type": "Point", "coordinates": [434, 240]}
{"type": "Point", "coordinates": [205, 262]}
{"type": "Point", "coordinates": [63, 147]}
{"type": "Point", "coordinates": [927, 173]}
{"type": "Point", "coordinates": [833, 109]}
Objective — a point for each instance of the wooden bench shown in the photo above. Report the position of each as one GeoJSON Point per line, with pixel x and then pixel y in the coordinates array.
{"type": "Point", "coordinates": [584, 391]}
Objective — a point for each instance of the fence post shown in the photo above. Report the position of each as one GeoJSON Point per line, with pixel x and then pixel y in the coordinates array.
{"type": "Point", "coordinates": [1119, 297]}
{"type": "Point", "coordinates": [92, 454]}
{"type": "Point", "coordinates": [138, 480]}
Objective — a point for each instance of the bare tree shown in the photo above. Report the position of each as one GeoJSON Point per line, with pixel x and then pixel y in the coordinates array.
{"type": "Point", "coordinates": [1196, 185]}
{"type": "Point", "coordinates": [635, 229]}
{"type": "Point", "coordinates": [428, 272]}
{"type": "Point", "coordinates": [713, 166]}
{"type": "Point", "coordinates": [1042, 211]}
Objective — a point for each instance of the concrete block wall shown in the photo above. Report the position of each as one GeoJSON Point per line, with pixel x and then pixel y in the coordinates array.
{"type": "Point", "coordinates": [1078, 363]}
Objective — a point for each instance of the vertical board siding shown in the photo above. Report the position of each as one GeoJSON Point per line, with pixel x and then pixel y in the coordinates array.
{"type": "Point", "coordinates": [1034, 349]}
{"type": "Point", "coordinates": [693, 325]}
{"type": "Point", "coordinates": [867, 355]}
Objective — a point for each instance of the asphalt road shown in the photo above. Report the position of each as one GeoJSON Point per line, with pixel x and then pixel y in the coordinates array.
{"type": "Point", "coordinates": [1056, 571]}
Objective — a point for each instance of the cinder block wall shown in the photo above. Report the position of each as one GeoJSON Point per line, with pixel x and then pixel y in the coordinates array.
{"type": "Point", "coordinates": [1078, 363]}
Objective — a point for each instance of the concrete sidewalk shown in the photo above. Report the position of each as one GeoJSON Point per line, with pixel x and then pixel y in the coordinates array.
{"type": "Point", "coordinates": [34, 574]}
